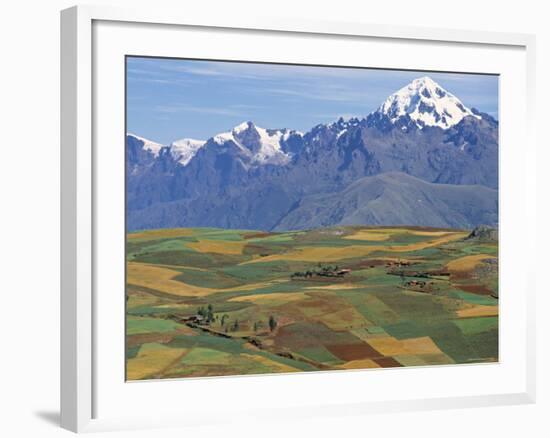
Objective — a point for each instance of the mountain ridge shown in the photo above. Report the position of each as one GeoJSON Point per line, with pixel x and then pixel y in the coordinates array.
{"type": "Point", "coordinates": [234, 172]}
{"type": "Point", "coordinates": [395, 198]}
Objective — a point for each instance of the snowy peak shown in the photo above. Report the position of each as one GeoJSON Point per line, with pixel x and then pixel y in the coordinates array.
{"type": "Point", "coordinates": [181, 151]}
{"type": "Point", "coordinates": [271, 148]}
{"type": "Point", "coordinates": [185, 149]}
{"type": "Point", "coordinates": [259, 145]}
{"type": "Point", "coordinates": [254, 145]}
{"type": "Point", "coordinates": [244, 126]}
{"type": "Point", "coordinates": [148, 145]}
{"type": "Point", "coordinates": [426, 103]}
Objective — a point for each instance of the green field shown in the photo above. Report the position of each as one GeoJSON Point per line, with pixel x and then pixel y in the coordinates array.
{"type": "Point", "coordinates": [212, 302]}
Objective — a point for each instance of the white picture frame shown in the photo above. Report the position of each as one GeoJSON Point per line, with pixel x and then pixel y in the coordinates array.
{"type": "Point", "coordinates": [82, 320]}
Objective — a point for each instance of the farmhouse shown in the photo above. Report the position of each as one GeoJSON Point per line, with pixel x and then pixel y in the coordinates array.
{"type": "Point", "coordinates": [343, 272]}
{"type": "Point", "coordinates": [195, 319]}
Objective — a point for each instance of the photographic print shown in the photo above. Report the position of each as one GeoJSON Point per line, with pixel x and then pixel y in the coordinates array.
{"type": "Point", "coordinates": [289, 218]}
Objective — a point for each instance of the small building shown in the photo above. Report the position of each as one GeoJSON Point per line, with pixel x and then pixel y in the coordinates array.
{"type": "Point", "coordinates": [197, 319]}
{"type": "Point", "coordinates": [343, 272]}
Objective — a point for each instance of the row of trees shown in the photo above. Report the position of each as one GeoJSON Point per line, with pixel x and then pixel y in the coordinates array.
{"type": "Point", "coordinates": [323, 271]}
{"type": "Point", "coordinates": [208, 314]}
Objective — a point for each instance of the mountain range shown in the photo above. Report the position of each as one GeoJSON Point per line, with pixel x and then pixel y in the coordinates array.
{"type": "Point", "coordinates": [422, 158]}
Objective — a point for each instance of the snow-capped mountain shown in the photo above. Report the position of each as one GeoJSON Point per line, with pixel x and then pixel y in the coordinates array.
{"type": "Point", "coordinates": [182, 151]}
{"type": "Point", "coordinates": [259, 145]}
{"type": "Point", "coordinates": [427, 104]}
{"type": "Point", "coordinates": [148, 145]}
{"type": "Point", "coordinates": [185, 149]}
{"type": "Point", "coordinates": [421, 143]}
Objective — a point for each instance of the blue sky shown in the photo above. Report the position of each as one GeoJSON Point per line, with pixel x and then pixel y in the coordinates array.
{"type": "Point", "coordinates": [169, 99]}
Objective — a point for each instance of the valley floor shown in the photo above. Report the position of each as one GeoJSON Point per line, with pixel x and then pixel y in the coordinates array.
{"type": "Point", "coordinates": [212, 302]}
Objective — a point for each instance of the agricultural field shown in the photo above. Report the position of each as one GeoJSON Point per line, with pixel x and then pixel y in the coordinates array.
{"type": "Point", "coordinates": [214, 302]}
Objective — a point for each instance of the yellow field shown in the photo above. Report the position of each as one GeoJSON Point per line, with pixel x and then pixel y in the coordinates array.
{"type": "Point", "coordinates": [276, 297]}
{"type": "Point", "coordinates": [479, 310]}
{"type": "Point", "coordinates": [250, 286]}
{"type": "Point", "coordinates": [338, 286]}
{"type": "Point", "coordinates": [219, 246]}
{"type": "Point", "coordinates": [277, 367]}
{"type": "Point", "coordinates": [429, 233]}
{"type": "Point", "coordinates": [467, 263]}
{"type": "Point", "coordinates": [359, 364]}
{"type": "Point", "coordinates": [385, 234]}
{"type": "Point", "coordinates": [448, 237]}
{"type": "Point", "coordinates": [329, 254]}
{"type": "Point", "coordinates": [136, 299]}
{"type": "Point", "coordinates": [369, 235]}
{"type": "Point", "coordinates": [390, 346]}
{"type": "Point", "coordinates": [162, 233]}
{"type": "Point", "coordinates": [161, 279]}
{"type": "Point", "coordinates": [414, 360]}
{"type": "Point", "coordinates": [151, 359]}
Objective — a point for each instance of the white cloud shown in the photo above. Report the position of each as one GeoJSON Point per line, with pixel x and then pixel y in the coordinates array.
{"type": "Point", "coordinates": [176, 108]}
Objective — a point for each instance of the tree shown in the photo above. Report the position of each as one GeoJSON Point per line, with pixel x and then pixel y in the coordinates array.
{"type": "Point", "coordinates": [255, 326]}
{"type": "Point", "coordinates": [235, 326]}
{"type": "Point", "coordinates": [224, 318]}
{"type": "Point", "coordinates": [210, 313]}
{"type": "Point", "coordinates": [272, 323]}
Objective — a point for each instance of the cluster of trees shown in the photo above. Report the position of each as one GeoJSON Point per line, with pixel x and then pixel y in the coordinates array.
{"type": "Point", "coordinates": [224, 323]}
{"type": "Point", "coordinates": [208, 314]}
{"type": "Point", "coordinates": [323, 271]}
{"type": "Point", "coordinates": [272, 322]}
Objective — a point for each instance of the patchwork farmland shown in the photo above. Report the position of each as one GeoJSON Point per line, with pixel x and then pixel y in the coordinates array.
{"type": "Point", "coordinates": [212, 302]}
